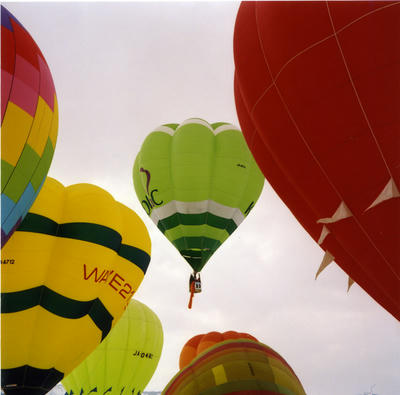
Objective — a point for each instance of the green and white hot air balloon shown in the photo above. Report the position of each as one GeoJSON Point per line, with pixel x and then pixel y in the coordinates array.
{"type": "Point", "coordinates": [127, 358]}
{"type": "Point", "coordinates": [197, 181]}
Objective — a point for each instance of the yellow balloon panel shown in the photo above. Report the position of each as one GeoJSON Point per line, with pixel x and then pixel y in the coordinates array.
{"type": "Point", "coordinates": [29, 329]}
{"type": "Point", "coordinates": [71, 268]}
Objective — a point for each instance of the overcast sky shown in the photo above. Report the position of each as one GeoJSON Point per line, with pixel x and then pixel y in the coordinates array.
{"type": "Point", "coordinates": [122, 69]}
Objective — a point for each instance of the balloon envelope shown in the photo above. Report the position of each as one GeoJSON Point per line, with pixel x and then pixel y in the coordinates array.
{"type": "Point", "coordinates": [197, 344]}
{"type": "Point", "coordinates": [126, 360]}
{"type": "Point", "coordinates": [317, 96]}
{"type": "Point", "coordinates": [29, 122]}
{"type": "Point", "coordinates": [67, 274]}
{"type": "Point", "coordinates": [197, 182]}
{"type": "Point", "coordinates": [239, 365]}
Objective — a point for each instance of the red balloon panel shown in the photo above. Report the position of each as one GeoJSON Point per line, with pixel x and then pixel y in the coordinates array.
{"type": "Point", "coordinates": [317, 96]}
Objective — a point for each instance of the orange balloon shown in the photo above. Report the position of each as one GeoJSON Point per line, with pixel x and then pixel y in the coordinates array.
{"type": "Point", "coordinates": [189, 351]}
{"type": "Point", "coordinates": [199, 343]}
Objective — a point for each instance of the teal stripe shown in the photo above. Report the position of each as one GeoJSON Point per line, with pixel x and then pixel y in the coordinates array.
{"type": "Point", "coordinates": [92, 233]}
{"type": "Point", "coordinates": [55, 303]}
{"type": "Point", "coordinates": [197, 219]}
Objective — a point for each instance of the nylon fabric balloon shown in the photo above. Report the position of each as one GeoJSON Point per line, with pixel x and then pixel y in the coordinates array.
{"type": "Point", "coordinates": [197, 182]}
{"type": "Point", "coordinates": [126, 360]}
{"type": "Point", "coordinates": [319, 110]}
{"type": "Point", "coordinates": [199, 343]}
{"type": "Point", "coordinates": [67, 274]}
{"type": "Point", "coordinates": [29, 122]}
{"type": "Point", "coordinates": [239, 365]}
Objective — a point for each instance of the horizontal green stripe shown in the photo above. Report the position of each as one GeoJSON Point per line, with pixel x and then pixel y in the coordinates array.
{"type": "Point", "coordinates": [29, 380]}
{"type": "Point", "coordinates": [196, 250]}
{"type": "Point", "coordinates": [84, 231]}
{"type": "Point", "coordinates": [200, 243]}
{"type": "Point", "coordinates": [197, 219]}
{"type": "Point", "coordinates": [38, 224]}
{"type": "Point", "coordinates": [193, 231]}
{"type": "Point", "coordinates": [139, 257]}
{"type": "Point", "coordinates": [55, 303]}
{"type": "Point", "coordinates": [92, 233]}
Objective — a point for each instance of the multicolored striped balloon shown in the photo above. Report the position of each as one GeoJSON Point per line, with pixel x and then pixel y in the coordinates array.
{"type": "Point", "coordinates": [68, 273]}
{"type": "Point", "coordinates": [29, 122]}
{"type": "Point", "coordinates": [197, 181]}
{"type": "Point", "coordinates": [239, 366]}
{"type": "Point", "coordinates": [199, 343]}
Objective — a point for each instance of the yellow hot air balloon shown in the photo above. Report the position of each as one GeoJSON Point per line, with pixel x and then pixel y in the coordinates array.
{"type": "Point", "coordinates": [126, 360]}
{"type": "Point", "coordinates": [68, 274]}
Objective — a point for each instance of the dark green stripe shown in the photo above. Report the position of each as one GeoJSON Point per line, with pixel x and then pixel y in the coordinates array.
{"type": "Point", "coordinates": [197, 219]}
{"type": "Point", "coordinates": [84, 231]}
{"type": "Point", "coordinates": [55, 303]}
{"type": "Point", "coordinates": [92, 233]}
{"type": "Point", "coordinates": [135, 255]}
{"type": "Point", "coordinates": [29, 380]}
{"type": "Point", "coordinates": [196, 250]}
{"type": "Point", "coordinates": [38, 224]}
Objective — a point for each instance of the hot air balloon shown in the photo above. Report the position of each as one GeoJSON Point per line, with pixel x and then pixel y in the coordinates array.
{"type": "Point", "coordinates": [67, 274]}
{"type": "Point", "coordinates": [197, 344]}
{"type": "Point", "coordinates": [126, 360]}
{"type": "Point", "coordinates": [232, 363]}
{"type": "Point", "coordinates": [317, 95]}
{"type": "Point", "coordinates": [197, 182]}
{"type": "Point", "coordinates": [29, 122]}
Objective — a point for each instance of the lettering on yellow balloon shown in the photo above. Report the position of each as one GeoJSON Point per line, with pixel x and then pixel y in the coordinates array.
{"type": "Point", "coordinates": [114, 280]}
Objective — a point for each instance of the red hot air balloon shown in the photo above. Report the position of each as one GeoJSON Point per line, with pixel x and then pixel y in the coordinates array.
{"type": "Point", "coordinates": [317, 96]}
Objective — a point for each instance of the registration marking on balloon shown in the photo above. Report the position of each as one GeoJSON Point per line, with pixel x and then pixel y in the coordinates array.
{"type": "Point", "coordinates": [117, 282]}
{"type": "Point", "coordinates": [143, 354]}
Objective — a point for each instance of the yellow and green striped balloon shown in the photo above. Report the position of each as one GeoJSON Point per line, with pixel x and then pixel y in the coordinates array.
{"type": "Point", "coordinates": [197, 181]}
{"type": "Point", "coordinates": [67, 274]}
{"type": "Point", "coordinates": [126, 360]}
